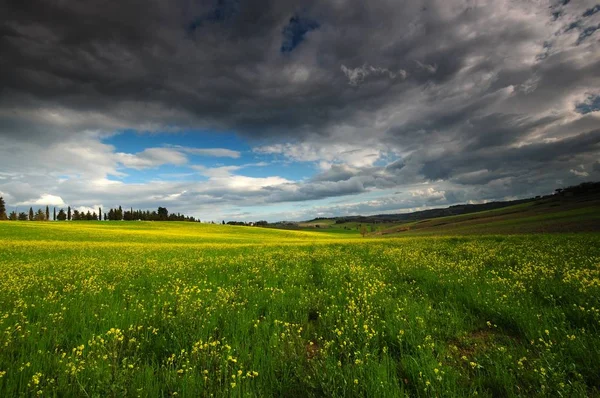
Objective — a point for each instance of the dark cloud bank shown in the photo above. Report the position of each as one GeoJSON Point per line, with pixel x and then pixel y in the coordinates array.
{"type": "Point", "coordinates": [476, 99]}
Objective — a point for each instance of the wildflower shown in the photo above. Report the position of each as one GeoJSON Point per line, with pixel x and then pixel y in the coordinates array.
{"type": "Point", "coordinates": [35, 379]}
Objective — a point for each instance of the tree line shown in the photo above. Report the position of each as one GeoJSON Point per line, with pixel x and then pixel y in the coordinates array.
{"type": "Point", "coordinates": [116, 214]}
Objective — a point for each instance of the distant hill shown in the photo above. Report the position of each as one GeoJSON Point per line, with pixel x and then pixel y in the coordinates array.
{"type": "Point", "coordinates": [571, 209]}
{"type": "Point", "coordinates": [431, 213]}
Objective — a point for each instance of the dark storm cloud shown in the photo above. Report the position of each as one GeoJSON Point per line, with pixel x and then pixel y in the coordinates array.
{"type": "Point", "coordinates": [295, 31]}
{"type": "Point", "coordinates": [514, 160]}
{"type": "Point", "coordinates": [87, 57]}
{"type": "Point", "coordinates": [222, 11]}
{"type": "Point", "coordinates": [481, 94]}
{"type": "Point", "coordinates": [591, 11]}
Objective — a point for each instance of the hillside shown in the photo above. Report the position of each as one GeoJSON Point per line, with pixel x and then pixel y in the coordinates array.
{"type": "Point", "coordinates": [546, 215]}
{"type": "Point", "coordinates": [572, 209]}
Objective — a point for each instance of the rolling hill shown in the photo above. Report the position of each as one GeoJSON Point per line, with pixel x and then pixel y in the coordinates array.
{"type": "Point", "coordinates": [572, 209]}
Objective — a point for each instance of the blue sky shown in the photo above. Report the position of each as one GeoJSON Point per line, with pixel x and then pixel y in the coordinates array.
{"type": "Point", "coordinates": [239, 159]}
{"type": "Point", "coordinates": [254, 164]}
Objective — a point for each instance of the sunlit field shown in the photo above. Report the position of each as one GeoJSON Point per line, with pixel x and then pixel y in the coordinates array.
{"type": "Point", "coordinates": [96, 309]}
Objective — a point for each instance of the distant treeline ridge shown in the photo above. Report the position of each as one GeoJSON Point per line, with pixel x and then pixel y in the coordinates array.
{"type": "Point", "coordinates": [117, 214]}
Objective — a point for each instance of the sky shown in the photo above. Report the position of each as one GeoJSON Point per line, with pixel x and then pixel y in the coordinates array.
{"type": "Point", "coordinates": [289, 110]}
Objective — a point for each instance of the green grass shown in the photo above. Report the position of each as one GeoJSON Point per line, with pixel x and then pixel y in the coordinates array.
{"type": "Point", "coordinates": [179, 309]}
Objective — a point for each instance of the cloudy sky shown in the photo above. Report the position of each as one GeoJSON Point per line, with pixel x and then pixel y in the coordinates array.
{"type": "Point", "coordinates": [289, 109]}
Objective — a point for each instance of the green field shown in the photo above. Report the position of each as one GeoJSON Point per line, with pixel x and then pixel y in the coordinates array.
{"type": "Point", "coordinates": [97, 309]}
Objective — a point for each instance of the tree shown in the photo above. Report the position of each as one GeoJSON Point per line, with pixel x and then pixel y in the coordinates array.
{"type": "Point", "coordinates": [2, 209]}
{"type": "Point", "coordinates": [23, 216]}
{"type": "Point", "coordinates": [363, 230]}
{"type": "Point", "coordinates": [69, 213]}
{"type": "Point", "coordinates": [163, 213]}
{"type": "Point", "coordinates": [13, 216]}
{"type": "Point", "coordinates": [47, 213]}
{"type": "Point", "coordinates": [75, 216]}
{"type": "Point", "coordinates": [40, 215]}
{"type": "Point", "coordinates": [100, 213]}
{"type": "Point", "coordinates": [54, 218]}
{"type": "Point", "coordinates": [31, 214]}
{"type": "Point", "coordinates": [62, 216]}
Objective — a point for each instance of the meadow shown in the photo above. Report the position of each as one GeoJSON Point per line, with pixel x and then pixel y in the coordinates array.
{"type": "Point", "coordinates": [101, 309]}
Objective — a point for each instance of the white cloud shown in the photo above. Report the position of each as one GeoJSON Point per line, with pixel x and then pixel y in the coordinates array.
{"type": "Point", "coordinates": [151, 157]}
{"type": "Point", "coordinates": [44, 200]}
{"type": "Point", "coordinates": [92, 209]}
{"type": "Point", "coordinates": [357, 75]}
{"type": "Point", "coordinates": [429, 68]}
{"type": "Point", "coordinates": [579, 171]}
{"type": "Point", "coordinates": [429, 194]}
{"type": "Point", "coordinates": [210, 152]}
{"type": "Point", "coordinates": [223, 178]}
{"type": "Point", "coordinates": [215, 172]}
{"type": "Point", "coordinates": [326, 153]}
{"type": "Point", "coordinates": [244, 184]}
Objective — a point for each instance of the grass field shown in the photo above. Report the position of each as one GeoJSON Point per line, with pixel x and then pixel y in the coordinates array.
{"type": "Point", "coordinates": [100, 309]}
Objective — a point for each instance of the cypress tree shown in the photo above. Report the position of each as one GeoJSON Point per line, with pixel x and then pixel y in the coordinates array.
{"type": "Point", "coordinates": [2, 209]}
{"type": "Point", "coordinates": [100, 213]}
{"type": "Point", "coordinates": [31, 214]}
{"type": "Point", "coordinates": [47, 213]}
{"type": "Point", "coordinates": [54, 217]}
{"type": "Point", "coordinates": [69, 213]}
